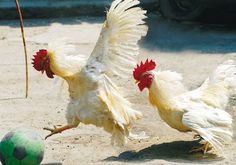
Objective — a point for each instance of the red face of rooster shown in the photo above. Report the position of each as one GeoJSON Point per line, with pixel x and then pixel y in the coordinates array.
{"type": "Point", "coordinates": [142, 74]}
{"type": "Point", "coordinates": [41, 62]}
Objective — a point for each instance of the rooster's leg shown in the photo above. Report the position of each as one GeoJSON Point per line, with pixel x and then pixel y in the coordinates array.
{"type": "Point", "coordinates": [204, 148]}
{"type": "Point", "coordinates": [56, 130]}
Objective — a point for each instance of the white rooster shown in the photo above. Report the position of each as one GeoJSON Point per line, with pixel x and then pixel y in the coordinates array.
{"type": "Point", "coordinates": [94, 98]}
{"type": "Point", "coordinates": [201, 110]}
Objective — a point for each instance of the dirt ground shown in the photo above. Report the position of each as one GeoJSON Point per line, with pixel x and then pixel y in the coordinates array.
{"type": "Point", "coordinates": [191, 49]}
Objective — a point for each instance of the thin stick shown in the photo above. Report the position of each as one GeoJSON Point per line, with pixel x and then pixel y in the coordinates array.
{"type": "Point", "coordinates": [24, 43]}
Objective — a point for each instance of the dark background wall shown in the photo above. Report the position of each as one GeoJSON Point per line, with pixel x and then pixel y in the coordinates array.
{"type": "Point", "coordinates": [61, 8]}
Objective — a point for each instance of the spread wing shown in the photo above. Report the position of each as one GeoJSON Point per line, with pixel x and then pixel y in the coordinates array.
{"type": "Point", "coordinates": [117, 45]}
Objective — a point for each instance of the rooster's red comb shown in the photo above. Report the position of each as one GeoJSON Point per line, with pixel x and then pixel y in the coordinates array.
{"type": "Point", "coordinates": [38, 58]}
{"type": "Point", "coordinates": [143, 67]}
{"type": "Point", "coordinates": [41, 62]}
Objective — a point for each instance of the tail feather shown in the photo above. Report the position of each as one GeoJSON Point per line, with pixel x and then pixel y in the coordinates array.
{"type": "Point", "coordinates": [226, 73]}
{"type": "Point", "coordinates": [217, 89]}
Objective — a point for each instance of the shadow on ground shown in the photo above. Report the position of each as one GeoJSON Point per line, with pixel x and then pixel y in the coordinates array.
{"type": "Point", "coordinates": [52, 164]}
{"type": "Point", "coordinates": [172, 152]}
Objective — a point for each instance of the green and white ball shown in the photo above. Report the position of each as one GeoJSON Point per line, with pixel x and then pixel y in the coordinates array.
{"type": "Point", "coordinates": [21, 146]}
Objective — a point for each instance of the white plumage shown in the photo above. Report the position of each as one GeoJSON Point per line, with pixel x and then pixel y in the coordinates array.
{"type": "Point", "coordinates": [201, 110]}
{"type": "Point", "coordinates": [95, 99]}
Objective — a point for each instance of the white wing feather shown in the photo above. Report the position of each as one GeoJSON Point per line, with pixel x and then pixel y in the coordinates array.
{"type": "Point", "coordinates": [117, 45]}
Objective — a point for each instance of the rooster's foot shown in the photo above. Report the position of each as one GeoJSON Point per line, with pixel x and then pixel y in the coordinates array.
{"type": "Point", "coordinates": [56, 130]}
{"type": "Point", "coordinates": [204, 148]}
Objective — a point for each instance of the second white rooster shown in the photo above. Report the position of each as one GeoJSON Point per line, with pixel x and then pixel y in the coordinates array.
{"type": "Point", "coordinates": [201, 110]}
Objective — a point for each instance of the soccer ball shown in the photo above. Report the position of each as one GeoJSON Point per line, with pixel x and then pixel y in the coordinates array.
{"type": "Point", "coordinates": [21, 146]}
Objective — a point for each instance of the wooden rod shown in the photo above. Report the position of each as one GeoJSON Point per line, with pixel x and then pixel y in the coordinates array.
{"type": "Point", "coordinates": [25, 50]}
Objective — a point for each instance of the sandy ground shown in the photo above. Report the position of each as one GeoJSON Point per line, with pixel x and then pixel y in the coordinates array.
{"type": "Point", "coordinates": [192, 49]}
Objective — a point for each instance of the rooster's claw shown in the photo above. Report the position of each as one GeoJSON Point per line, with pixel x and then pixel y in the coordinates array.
{"type": "Point", "coordinates": [53, 131]}
{"type": "Point", "coordinates": [56, 130]}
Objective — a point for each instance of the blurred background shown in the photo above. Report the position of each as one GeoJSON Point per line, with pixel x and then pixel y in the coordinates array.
{"type": "Point", "coordinates": [61, 8]}
{"type": "Point", "coordinates": [180, 10]}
